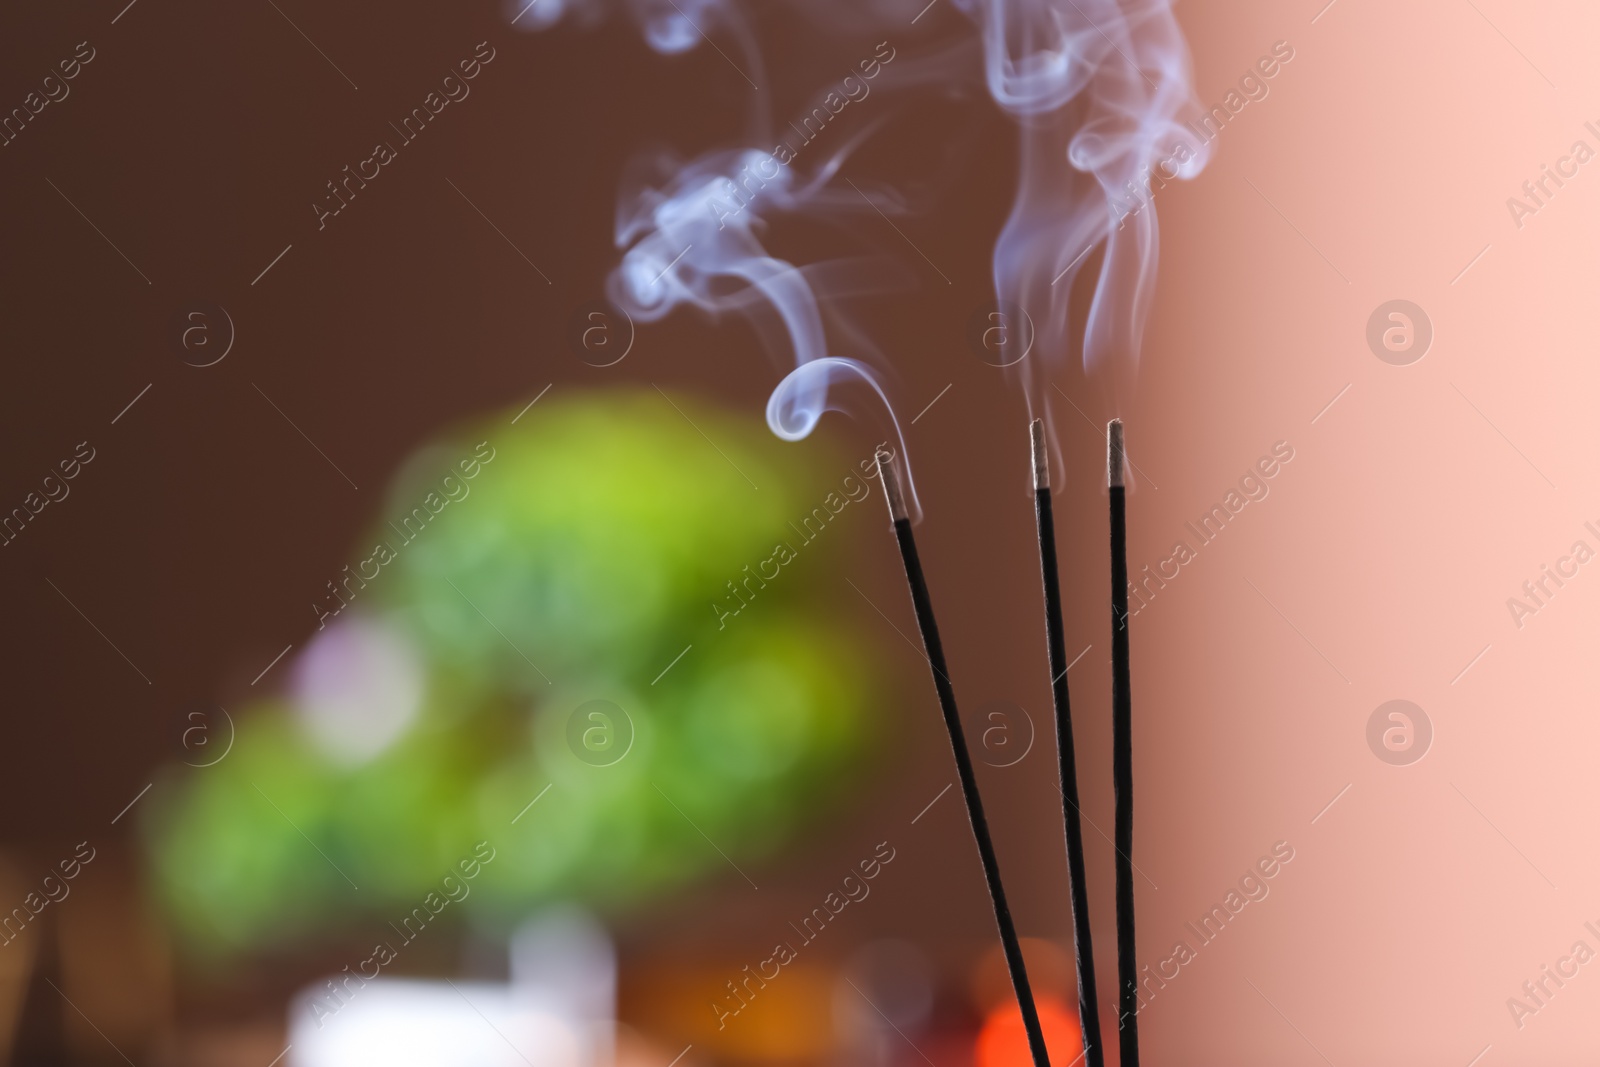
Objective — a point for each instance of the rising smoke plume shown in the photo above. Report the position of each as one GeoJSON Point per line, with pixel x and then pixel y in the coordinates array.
{"type": "Point", "coordinates": [1098, 90]}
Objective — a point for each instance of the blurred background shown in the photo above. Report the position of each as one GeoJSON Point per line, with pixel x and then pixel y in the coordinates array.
{"type": "Point", "coordinates": [411, 660]}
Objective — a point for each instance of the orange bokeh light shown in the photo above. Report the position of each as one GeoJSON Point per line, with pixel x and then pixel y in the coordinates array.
{"type": "Point", "coordinates": [1003, 1042]}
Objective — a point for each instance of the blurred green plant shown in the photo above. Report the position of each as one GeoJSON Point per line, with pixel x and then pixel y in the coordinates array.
{"type": "Point", "coordinates": [578, 564]}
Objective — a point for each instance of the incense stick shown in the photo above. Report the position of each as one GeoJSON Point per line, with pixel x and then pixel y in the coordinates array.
{"type": "Point", "coordinates": [934, 651]}
{"type": "Point", "coordinates": [1122, 751]}
{"type": "Point", "coordinates": [1055, 639]}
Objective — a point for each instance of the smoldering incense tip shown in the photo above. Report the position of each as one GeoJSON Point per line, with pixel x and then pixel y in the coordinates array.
{"type": "Point", "coordinates": [1114, 454]}
{"type": "Point", "coordinates": [1041, 456]}
{"type": "Point", "coordinates": [891, 487]}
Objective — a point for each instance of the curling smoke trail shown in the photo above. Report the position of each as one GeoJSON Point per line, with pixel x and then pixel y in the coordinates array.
{"type": "Point", "coordinates": [689, 231]}
{"type": "Point", "coordinates": [1098, 89]}
{"type": "Point", "coordinates": [669, 26]}
{"type": "Point", "coordinates": [690, 235]}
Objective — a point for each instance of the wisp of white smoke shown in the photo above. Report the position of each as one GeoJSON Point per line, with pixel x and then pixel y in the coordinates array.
{"type": "Point", "coordinates": [1098, 90]}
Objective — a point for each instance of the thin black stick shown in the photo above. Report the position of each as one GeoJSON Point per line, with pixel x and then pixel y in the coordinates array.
{"type": "Point", "coordinates": [1122, 750]}
{"type": "Point", "coordinates": [1055, 634]}
{"type": "Point", "coordinates": [923, 606]}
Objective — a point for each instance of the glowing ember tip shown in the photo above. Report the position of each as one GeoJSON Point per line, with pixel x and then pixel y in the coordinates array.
{"type": "Point", "coordinates": [1114, 454]}
{"type": "Point", "coordinates": [1041, 456]}
{"type": "Point", "coordinates": [891, 487]}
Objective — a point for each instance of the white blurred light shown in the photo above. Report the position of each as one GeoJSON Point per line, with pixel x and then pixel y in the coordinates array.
{"type": "Point", "coordinates": [559, 1009]}
{"type": "Point", "coordinates": [563, 961]}
{"type": "Point", "coordinates": [357, 687]}
{"type": "Point", "coordinates": [392, 1022]}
